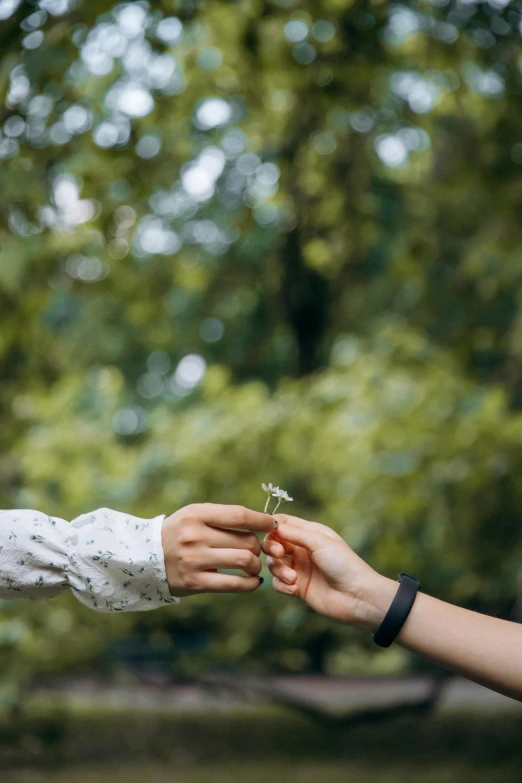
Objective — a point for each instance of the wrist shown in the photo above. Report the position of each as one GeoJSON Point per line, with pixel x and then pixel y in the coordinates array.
{"type": "Point", "coordinates": [373, 602]}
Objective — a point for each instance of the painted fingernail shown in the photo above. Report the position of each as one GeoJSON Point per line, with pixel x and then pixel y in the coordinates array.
{"type": "Point", "coordinates": [261, 579]}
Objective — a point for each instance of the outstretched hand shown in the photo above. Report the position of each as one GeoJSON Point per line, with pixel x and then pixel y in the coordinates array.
{"type": "Point", "coordinates": [312, 562]}
{"type": "Point", "coordinates": [200, 539]}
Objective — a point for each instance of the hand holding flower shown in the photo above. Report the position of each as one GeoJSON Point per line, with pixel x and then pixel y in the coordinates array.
{"type": "Point", "coordinates": [200, 539]}
{"type": "Point", "coordinates": [312, 562]}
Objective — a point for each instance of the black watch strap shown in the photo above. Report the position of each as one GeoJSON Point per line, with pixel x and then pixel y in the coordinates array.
{"type": "Point", "coordinates": [399, 610]}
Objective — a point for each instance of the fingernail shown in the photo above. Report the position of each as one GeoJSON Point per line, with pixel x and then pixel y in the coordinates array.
{"type": "Point", "coordinates": [276, 523]}
{"type": "Point", "coordinates": [261, 579]}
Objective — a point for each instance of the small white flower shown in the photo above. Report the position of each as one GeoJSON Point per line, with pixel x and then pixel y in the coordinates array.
{"type": "Point", "coordinates": [283, 494]}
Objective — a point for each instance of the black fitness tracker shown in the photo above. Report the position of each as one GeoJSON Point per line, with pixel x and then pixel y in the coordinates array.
{"type": "Point", "coordinates": [399, 610]}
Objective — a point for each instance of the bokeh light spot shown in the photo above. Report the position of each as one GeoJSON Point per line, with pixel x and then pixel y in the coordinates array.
{"type": "Point", "coordinates": [391, 150]}
{"type": "Point", "coordinates": [210, 58]}
{"type": "Point", "coordinates": [130, 421]}
{"type": "Point", "coordinates": [211, 330]}
{"type": "Point", "coordinates": [212, 113]}
{"type": "Point", "coordinates": [33, 40]}
{"type": "Point", "coordinates": [323, 30]}
{"type": "Point", "coordinates": [169, 30]}
{"type": "Point", "coordinates": [189, 372]}
{"type": "Point", "coordinates": [296, 31]}
{"type": "Point", "coordinates": [148, 147]}
{"type": "Point", "coordinates": [304, 53]}
{"type": "Point", "coordinates": [324, 143]}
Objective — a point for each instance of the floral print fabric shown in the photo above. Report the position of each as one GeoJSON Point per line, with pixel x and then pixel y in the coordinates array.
{"type": "Point", "coordinates": [112, 562]}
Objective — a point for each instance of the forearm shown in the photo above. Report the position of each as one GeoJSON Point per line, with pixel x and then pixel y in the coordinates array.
{"type": "Point", "coordinates": [481, 648]}
{"type": "Point", "coordinates": [323, 570]}
{"type": "Point", "coordinates": [112, 562]}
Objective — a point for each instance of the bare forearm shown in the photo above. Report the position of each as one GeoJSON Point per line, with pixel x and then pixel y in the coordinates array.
{"type": "Point", "coordinates": [481, 648]}
{"type": "Point", "coordinates": [324, 571]}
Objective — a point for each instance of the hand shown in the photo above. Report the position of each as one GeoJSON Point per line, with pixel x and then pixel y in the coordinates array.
{"type": "Point", "coordinates": [312, 562]}
{"type": "Point", "coordinates": [202, 538]}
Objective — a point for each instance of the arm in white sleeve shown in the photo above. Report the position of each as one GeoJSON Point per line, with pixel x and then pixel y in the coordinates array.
{"type": "Point", "coordinates": [111, 561]}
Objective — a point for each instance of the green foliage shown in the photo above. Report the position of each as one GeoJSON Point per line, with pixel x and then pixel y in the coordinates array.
{"type": "Point", "coordinates": [270, 189]}
{"type": "Point", "coordinates": [415, 466]}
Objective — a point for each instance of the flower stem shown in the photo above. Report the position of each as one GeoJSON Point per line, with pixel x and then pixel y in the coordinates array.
{"type": "Point", "coordinates": [266, 504]}
{"type": "Point", "coordinates": [278, 504]}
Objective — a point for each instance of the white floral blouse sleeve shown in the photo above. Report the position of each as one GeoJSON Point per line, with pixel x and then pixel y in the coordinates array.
{"type": "Point", "coordinates": [112, 562]}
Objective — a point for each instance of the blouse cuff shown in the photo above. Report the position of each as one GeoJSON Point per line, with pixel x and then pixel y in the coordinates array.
{"type": "Point", "coordinates": [116, 562]}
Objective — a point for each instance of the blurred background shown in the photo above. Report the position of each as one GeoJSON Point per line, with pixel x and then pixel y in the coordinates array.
{"type": "Point", "coordinates": [252, 241]}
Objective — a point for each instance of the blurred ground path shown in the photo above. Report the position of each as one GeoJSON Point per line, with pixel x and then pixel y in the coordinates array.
{"type": "Point", "coordinates": [325, 692]}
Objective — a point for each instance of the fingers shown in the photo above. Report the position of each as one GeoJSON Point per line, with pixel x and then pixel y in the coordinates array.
{"type": "Point", "coordinates": [242, 559]}
{"type": "Point", "coordinates": [232, 539]}
{"type": "Point", "coordinates": [273, 546]}
{"type": "Point", "coordinates": [238, 517]}
{"type": "Point", "coordinates": [281, 568]}
{"type": "Point", "coordinates": [305, 524]}
{"type": "Point", "coordinates": [282, 587]}
{"type": "Point", "coordinates": [214, 582]}
{"type": "Point", "coordinates": [305, 534]}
